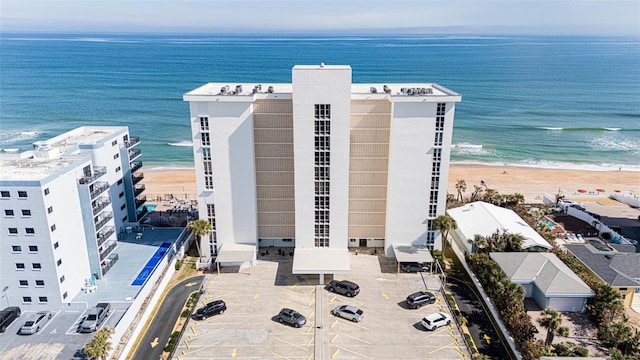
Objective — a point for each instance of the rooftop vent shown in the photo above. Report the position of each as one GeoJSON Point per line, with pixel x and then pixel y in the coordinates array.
{"type": "Point", "coordinates": [403, 91]}
{"type": "Point", "coordinates": [238, 89]}
{"type": "Point", "coordinates": [224, 90]}
{"type": "Point", "coordinates": [386, 89]}
{"type": "Point", "coordinates": [373, 90]}
{"type": "Point", "coordinates": [270, 89]}
{"type": "Point", "coordinates": [322, 65]}
{"type": "Point", "coordinates": [257, 88]}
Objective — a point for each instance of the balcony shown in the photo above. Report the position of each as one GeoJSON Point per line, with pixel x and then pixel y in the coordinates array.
{"type": "Point", "coordinates": [140, 214]}
{"type": "Point", "coordinates": [102, 220]}
{"type": "Point", "coordinates": [97, 172]}
{"type": "Point", "coordinates": [133, 141]}
{"type": "Point", "coordinates": [98, 188]}
{"type": "Point", "coordinates": [108, 250]}
{"type": "Point", "coordinates": [104, 234]}
{"type": "Point", "coordinates": [100, 204]}
{"type": "Point", "coordinates": [108, 264]}
{"type": "Point", "coordinates": [137, 190]}
{"type": "Point", "coordinates": [137, 177]}
{"type": "Point", "coordinates": [140, 201]}
{"type": "Point", "coordinates": [135, 166]}
{"type": "Point", "coordinates": [134, 153]}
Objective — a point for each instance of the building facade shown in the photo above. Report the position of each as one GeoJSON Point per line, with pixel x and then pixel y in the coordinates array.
{"type": "Point", "coordinates": [322, 162]}
{"type": "Point", "coordinates": [63, 204]}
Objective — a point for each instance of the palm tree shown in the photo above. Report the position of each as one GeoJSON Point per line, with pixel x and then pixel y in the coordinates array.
{"type": "Point", "coordinates": [99, 346]}
{"type": "Point", "coordinates": [552, 320]}
{"type": "Point", "coordinates": [461, 186]}
{"type": "Point", "coordinates": [444, 223]}
{"type": "Point", "coordinates": [199, 228]}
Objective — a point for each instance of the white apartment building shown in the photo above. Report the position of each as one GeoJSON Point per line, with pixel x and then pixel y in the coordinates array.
{"type": "Point", "coordinates": [62, 206]}
{"type": "Point", "coordinates": [322, 164]}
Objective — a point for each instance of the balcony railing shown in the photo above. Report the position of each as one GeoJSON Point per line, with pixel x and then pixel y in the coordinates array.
{"type": "Point", "coordinates": [134, 140]}
{"type": "Point", "coordinates": [137, 190]}
{"type": "Point", "coordinates": [140, 214]}
{"type": "Point", "coordinates": [106, 216]}
{"type": "Point", "coordinates": [134, 153]}
{"type": "Point", "coordinates": [137, 177]}
{"type": "Point", "coordinates": [113, 258]}
{"type": "Point", "coordinates": [140, 200]}
{"type": "Point", "coordinates": [104, 234]}
{"type": "Point", "coordinates": [136, 165]}
{"type": "Point", "coordinates": [97, 172]}
{"type": "Point", "coordinates": [108, 250]}
{"type": "Point", "coordinates": [97, 189]}
{"type": "Point", "coordinates": [101, 203]}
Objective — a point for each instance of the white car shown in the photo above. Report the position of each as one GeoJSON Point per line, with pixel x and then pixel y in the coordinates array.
{"type": "Point", "coordinates": [436, 320]}
{"type": "Point", "coordinates": [348, 312]}
{"type": "Point", "coordinates": [34, 322]}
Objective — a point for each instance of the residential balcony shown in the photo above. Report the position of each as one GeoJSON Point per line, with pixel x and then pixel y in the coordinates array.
{"type": "Point", "coordinates": [108, 250]}
{"type": "Point", "coordinates": [135, 166]}
{"type": "Point", "coordinates": [133, 141]}
{"type": "Point", "coordinates": [134, 153]}
{"type": "Point", "coordinates": [137, 190]}
{"type": "Point", "coordinates": [141, 214]}
{"type": "Point", "coordinates": [98, 188]}
{"type": "Point", "coordinates": [137, 177]}
{"type": "Point", "coordinates": [141, 200]}
{"type": "Point", "coordinates": [103, 219]}
{"type": "Point", "coordinates": [108, 264]}
{"type": "Point", "coordinates": [98, 171]}
{"type": "Point", "coordinates": [104, 234]}
{"type": "Point", "coordinates": [100, 204]}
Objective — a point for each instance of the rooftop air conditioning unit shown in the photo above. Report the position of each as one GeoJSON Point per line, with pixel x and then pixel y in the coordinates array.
{"type": "Point", "coordinates": [238, 89]}
{"type": "Point", "coordinates": [224, 89]}
{"type": "Point", "coordinates": [270, 89]}
{"type": "Point", "coordinates": [429, 91]}
{"type": "Point", "coordinates": [373, 90]}
{"type": "Point", "coordinates": [403, 91]}
{"type": "Point", "coordinates": [386, 89]}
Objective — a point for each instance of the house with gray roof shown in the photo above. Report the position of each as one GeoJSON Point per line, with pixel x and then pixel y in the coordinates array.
{"type": "Point", "coordinates": [546, 279]}
{"type": "Point", "coordinates": [621, 270]}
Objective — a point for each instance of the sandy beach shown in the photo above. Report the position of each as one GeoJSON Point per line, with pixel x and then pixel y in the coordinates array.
{"type": "Point", "coordinates": [530, 182]}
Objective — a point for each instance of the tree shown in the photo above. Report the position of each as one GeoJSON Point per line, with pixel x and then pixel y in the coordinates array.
{"type": "Point", "coordinates": [461, 186]}
{"type": "Point", "coordinates": [99, 346]}
{"type": "Point", "coordinates": [199, 228]}
{"type": "Point", "coordinates": [552, 321]}
{"type": "Point", "coordinates": [607, 305]}
{"type": "Point", "coordinates": [477, 191]}
{"type": "Point", "coordinates": [444, 223]}
{"type": "Point", "coordinates": [620, 336]}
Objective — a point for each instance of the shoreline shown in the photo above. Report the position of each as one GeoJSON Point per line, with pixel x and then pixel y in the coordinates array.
{"type": "Point", "coordinates": [531, 182]}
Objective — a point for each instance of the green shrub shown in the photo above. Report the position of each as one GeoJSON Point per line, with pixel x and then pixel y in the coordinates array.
{"type": "Point", "coordinates": [178, 264]}
{"type": "Point", "coordinates": [185, 313]}
{"type": "Point", "coordinates": [173, 339]}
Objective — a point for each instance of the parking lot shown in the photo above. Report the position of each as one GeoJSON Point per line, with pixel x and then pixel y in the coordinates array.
{"type": "Point", "coordinates": [250, 329]}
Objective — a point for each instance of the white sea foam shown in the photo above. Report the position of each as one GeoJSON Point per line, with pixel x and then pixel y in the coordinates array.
{"type": "Point", "coordinates": [551, 128]}
{"type": "Point", "coordinates": [183, 143]}
{"type": "Point", "coordinates": [470, 149]}
{"type": "Point", "coordinates": [603, 143]}
{"type": "Point", "coordinates": [7, 138]}
{"type": "Point", "coordinates": [546, 164]}
{"type": "Point", "coordinates": [612, 129]}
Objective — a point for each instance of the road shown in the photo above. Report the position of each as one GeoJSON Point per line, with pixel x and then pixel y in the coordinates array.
{"type": "Point", "coordinates": [161, 326]}
{"type": "Point", "coordinates": [478, 322]}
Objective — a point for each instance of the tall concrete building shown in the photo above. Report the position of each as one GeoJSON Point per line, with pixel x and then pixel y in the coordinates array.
{"type": "Point", "coordinates": [62, 206]}
{"type": "Point", "coordinates": [322, 164]}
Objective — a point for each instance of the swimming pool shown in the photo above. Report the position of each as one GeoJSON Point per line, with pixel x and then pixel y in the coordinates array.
{"type": "Point", "coordinates": [150, 207]}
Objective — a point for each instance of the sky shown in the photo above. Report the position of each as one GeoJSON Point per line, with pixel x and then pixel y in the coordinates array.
{"type": "Point", "coordinates": [588, 17]}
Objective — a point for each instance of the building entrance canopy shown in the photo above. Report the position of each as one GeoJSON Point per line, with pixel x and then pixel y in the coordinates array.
{"type": "Point", "coordinates": [236, 253]}
{"type": "Point", "coordinates": [320, 261]}
{"type": "Point", "coordinates": [408, 253]}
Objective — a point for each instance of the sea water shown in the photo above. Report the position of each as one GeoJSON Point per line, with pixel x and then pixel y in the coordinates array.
{"type": "Point", "coordinates": [545, 101]}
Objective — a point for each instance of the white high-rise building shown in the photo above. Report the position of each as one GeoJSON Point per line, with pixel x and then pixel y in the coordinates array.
{"type": "Point", "coordinates": [62, 206]}
{"type": "Point", "coordinates": [322, 164]}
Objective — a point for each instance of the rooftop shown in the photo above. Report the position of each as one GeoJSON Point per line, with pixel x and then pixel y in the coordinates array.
{"type": "Point", "coordinates": [617, 269]}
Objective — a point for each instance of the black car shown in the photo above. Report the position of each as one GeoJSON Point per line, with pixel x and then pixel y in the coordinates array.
{"type": "Point", "coordinates": [291, 317]}
{"type": "Point", "coordinates": [414, 267]}
{"type": "Point", "coordinates": [420, 298]}
{"type": "Point", "coordinates": [7, 316]}
{"type": "Point", "coordinates": [212, 308]}
{"type": "Point", "coordinates": [344, 287]}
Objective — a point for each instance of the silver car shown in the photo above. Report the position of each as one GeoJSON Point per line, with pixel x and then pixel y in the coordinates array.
{"type": "Point", "coordinates": [34, 322]}
{"type": "Point", "coordinates": [348, 312]}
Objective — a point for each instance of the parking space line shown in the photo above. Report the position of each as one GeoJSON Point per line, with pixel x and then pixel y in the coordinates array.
{"type": "Point", "coordinates": [436, 332]}
{"type": "Point", "coordinates": [313, 289]}
{"type": "Point", "coordinates": [335, 353]}
{"type": "Point", "coordinates": [279, 356]}
{"type": "Point", "coordinates": [309, 342]}
{"type": "Point", "coordinates": [350, 351]}
{"type": "Point", "coordinates": [352, 337]}
{"type": "Point", "coordinates": [347, 322]}
{"type": "Point", "coordinates": [335, 337]}
{"type": "Point", "coordinates": [442, 347]}
{"type": "Point", "coordinates": [292, 344]}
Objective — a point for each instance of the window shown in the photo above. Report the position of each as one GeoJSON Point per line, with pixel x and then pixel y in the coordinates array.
{"type": "Point", "coordinates": [441, 108]}
{"type": "Point", "coordinates": [42, 299]}
{"type": "Point", "coordinates": [29, 231]}
{"type": "Point", "coordinates": [59, 262]}
{"type": "Point", "coordinates": [8, 213]}
{"type": "Point", "coordinates": [53, 227]}
{"type": "Point", "coordinates": [121, 194]}
{"type": "Point", "coordinates": [16, 248]}
{"type": "Point", "coordinates": [204, 123]}
{"type": "Point", "coordinates": [120, 182]}
{"type": "Point", "coordinates": [26, 299]}
{"type": "Point", "coordinates": [56, 244]}
{"type": "Point", "coordinates": [50, 209]}
{"type": "Point", "coordinates": [20, 266]}
{"type": "Point", "coordinates": [432, 210]}
{"type": "Point", "coordinates": [287, 240]}
{"type": "Point", "coordinates": [124, 219]}
{"type": "Point", "coordinates": [206, 141]}
{"type": "Point", "coordinates": [208, 182]}
{"type": "Point", "coordinates": [5, 194]}
{"type": "Point", "coordinates": [36, 266]}
{"type": "Point", "coordinates": [33, 248]}
{"type": "Point", "coordinates": [322, 111]}
{"type": "Point", "coordinates": [118, 169]}
{"type": "Point", "coordinates": [439, 123]}
{"type": "Point", "coordinates": [114, 143]}
{"type": "Point", "coordinates": [116, 156]}
{"type": "Point", "coordinates": [123, 206]}
{"type": "Point", "coordinates": [438, 139]}
{"type": "Point", "coordinates": [207, 168]}
{"type": "Point", "coordinates": [39, 282]}
{"type": "Point", "coordinates": [22, 194]}
{"type": "Point", "coordinates": [64, 296]}
{"type": "Point", "coordinates": [46, 191]}
{"type": "Point", "coordinates": [26, 212]}
{"type": "Point", "coordinates": [13, 231]}
{"type": "Point", "coordinates": [206, 153]}
{"type": "Point", "coordinates": [61, 279]}
{"type": "Point", "coordinates": [23, 283]}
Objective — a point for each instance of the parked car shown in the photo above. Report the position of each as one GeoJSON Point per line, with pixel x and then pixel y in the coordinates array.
{"type": "Point", "coordinates": [96, 316]}
{"type": "Point", "coordinates": [291, 317]}
{"type": "Point", "coordinates": [415, 267]}
{"type": "Point", "coordinates": [435, 320]}
{"type": "Point", "coordinates": [344, 287]}
{"type": "Point", "coordinates": [34, 322]}
{"type": "Point", "coordinates": [578, 206]}
{"type": "Point", "coordinates": [420, 298]}
{"type": "Point", "coordinates": [210, 309]}
{"type": "Point", "coordinates": [348, 312]}
{"type": "Point", "coordinates": [7, 316]}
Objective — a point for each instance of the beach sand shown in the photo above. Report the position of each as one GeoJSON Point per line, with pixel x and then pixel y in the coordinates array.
{"type": "Point", "coordinates": [533, 183]}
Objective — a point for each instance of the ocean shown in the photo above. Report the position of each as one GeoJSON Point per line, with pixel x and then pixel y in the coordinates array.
{"type": "Point", "coordinates": [543, 101]}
